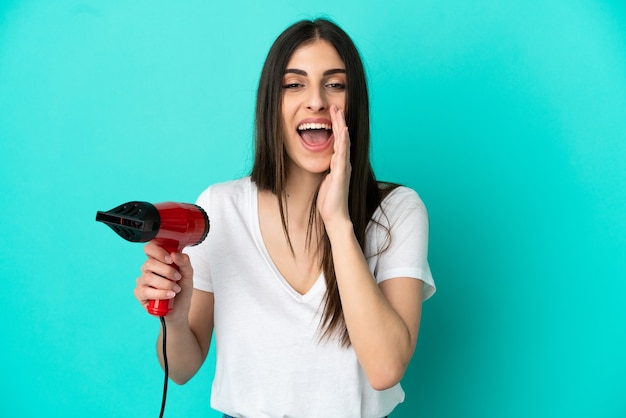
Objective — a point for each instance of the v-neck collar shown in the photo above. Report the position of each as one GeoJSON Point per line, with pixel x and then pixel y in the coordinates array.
{"type": "Point", "coordinates": [319, 284]}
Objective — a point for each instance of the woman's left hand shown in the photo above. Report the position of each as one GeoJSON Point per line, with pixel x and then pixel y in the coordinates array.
{"type": "Point", "coordinates": [332, 200]}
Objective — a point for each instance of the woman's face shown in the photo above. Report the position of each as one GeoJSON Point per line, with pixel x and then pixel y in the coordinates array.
{"type": "Point", "coordinates": [314, 80]}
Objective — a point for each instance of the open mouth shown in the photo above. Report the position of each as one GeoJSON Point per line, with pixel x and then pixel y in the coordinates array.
{"type": "Point", "coordinates": [315, 134]}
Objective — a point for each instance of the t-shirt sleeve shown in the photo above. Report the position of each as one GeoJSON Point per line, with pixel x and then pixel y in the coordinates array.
{"type": "Point", "coordinates": [398, 239]}
{"type": "Point", "coordinates": [199, 254]}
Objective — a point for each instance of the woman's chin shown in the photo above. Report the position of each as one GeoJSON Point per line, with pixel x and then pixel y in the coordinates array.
{"type": "Point", "coordinates": [311, 167]}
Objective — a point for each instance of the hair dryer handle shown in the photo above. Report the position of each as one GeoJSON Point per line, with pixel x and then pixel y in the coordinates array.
{"type": "Point", "coordinates": [161, 307]}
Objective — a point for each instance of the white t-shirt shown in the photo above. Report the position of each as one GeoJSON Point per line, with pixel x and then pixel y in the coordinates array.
{"type": "Point", "coordinates": [270, 361]}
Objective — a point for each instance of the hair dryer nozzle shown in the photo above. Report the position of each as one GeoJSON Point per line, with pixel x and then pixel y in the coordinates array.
{"type": "Point", "coordinates": [133, 221]}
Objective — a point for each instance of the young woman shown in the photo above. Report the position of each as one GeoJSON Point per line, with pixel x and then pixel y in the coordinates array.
{"type": "Point", "coordinates": [313, 275]}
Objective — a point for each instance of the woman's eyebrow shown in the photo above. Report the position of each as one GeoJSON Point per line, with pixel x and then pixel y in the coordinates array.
{"type": "Point", "coordinates": [304, 73]}
{"type": "Point", "coordinates": [335, 71]}
{"type": "Point", "coordinates": [295, 71]}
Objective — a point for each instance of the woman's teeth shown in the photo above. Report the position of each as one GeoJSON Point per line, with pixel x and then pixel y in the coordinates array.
{"type": "Point", "coordinates": [307, 126]}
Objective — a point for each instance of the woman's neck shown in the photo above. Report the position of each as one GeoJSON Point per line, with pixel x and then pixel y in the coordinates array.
{"type": "Point", "coordinates": [300, 188]}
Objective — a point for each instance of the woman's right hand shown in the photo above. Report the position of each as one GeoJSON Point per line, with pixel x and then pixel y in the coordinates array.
{"type": "Point", "coordinates": [161, 279]}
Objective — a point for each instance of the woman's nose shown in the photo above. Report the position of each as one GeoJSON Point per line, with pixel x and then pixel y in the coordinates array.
{"type": "Point", "coordinates": [316, 100]}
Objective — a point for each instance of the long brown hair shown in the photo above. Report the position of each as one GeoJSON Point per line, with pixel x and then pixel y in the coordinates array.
{"type": "Point", "coordinates": [270, 168]}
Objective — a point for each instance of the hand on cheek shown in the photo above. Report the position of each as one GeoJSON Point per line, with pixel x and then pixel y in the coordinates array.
{"type": "Point", "coordinates": [333, 196]}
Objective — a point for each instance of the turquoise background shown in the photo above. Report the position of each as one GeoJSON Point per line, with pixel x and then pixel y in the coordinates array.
{"type": "Point", "coordinates": [509, 119]}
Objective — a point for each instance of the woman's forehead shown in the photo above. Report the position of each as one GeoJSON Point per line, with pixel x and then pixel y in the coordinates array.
{"type": "Point", "coordinates": [318, 55]}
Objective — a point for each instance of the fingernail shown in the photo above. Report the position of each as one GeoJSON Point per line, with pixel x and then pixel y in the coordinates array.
{"type": "Point", "coordinates": [177, 289]}
{"type": "Point", "coordinates": [168, 259]}
{"type": "Point", "coordinates": [178, 276]}
{"type": "Point", "coordinates": [171, 294]}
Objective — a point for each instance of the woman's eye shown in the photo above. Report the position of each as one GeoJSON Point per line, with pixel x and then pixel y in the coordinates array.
{"type": "Point", "coordinates": [292, 85]}
{"type": "Point", "coordinates": [336, 86]}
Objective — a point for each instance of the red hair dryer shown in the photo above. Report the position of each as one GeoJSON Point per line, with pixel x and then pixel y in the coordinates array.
{"type": "Point", "coordinates": [173, 226]}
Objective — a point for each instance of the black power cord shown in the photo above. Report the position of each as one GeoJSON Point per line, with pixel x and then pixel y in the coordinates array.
{"type": "Point", "coordinates": [165, 367]}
